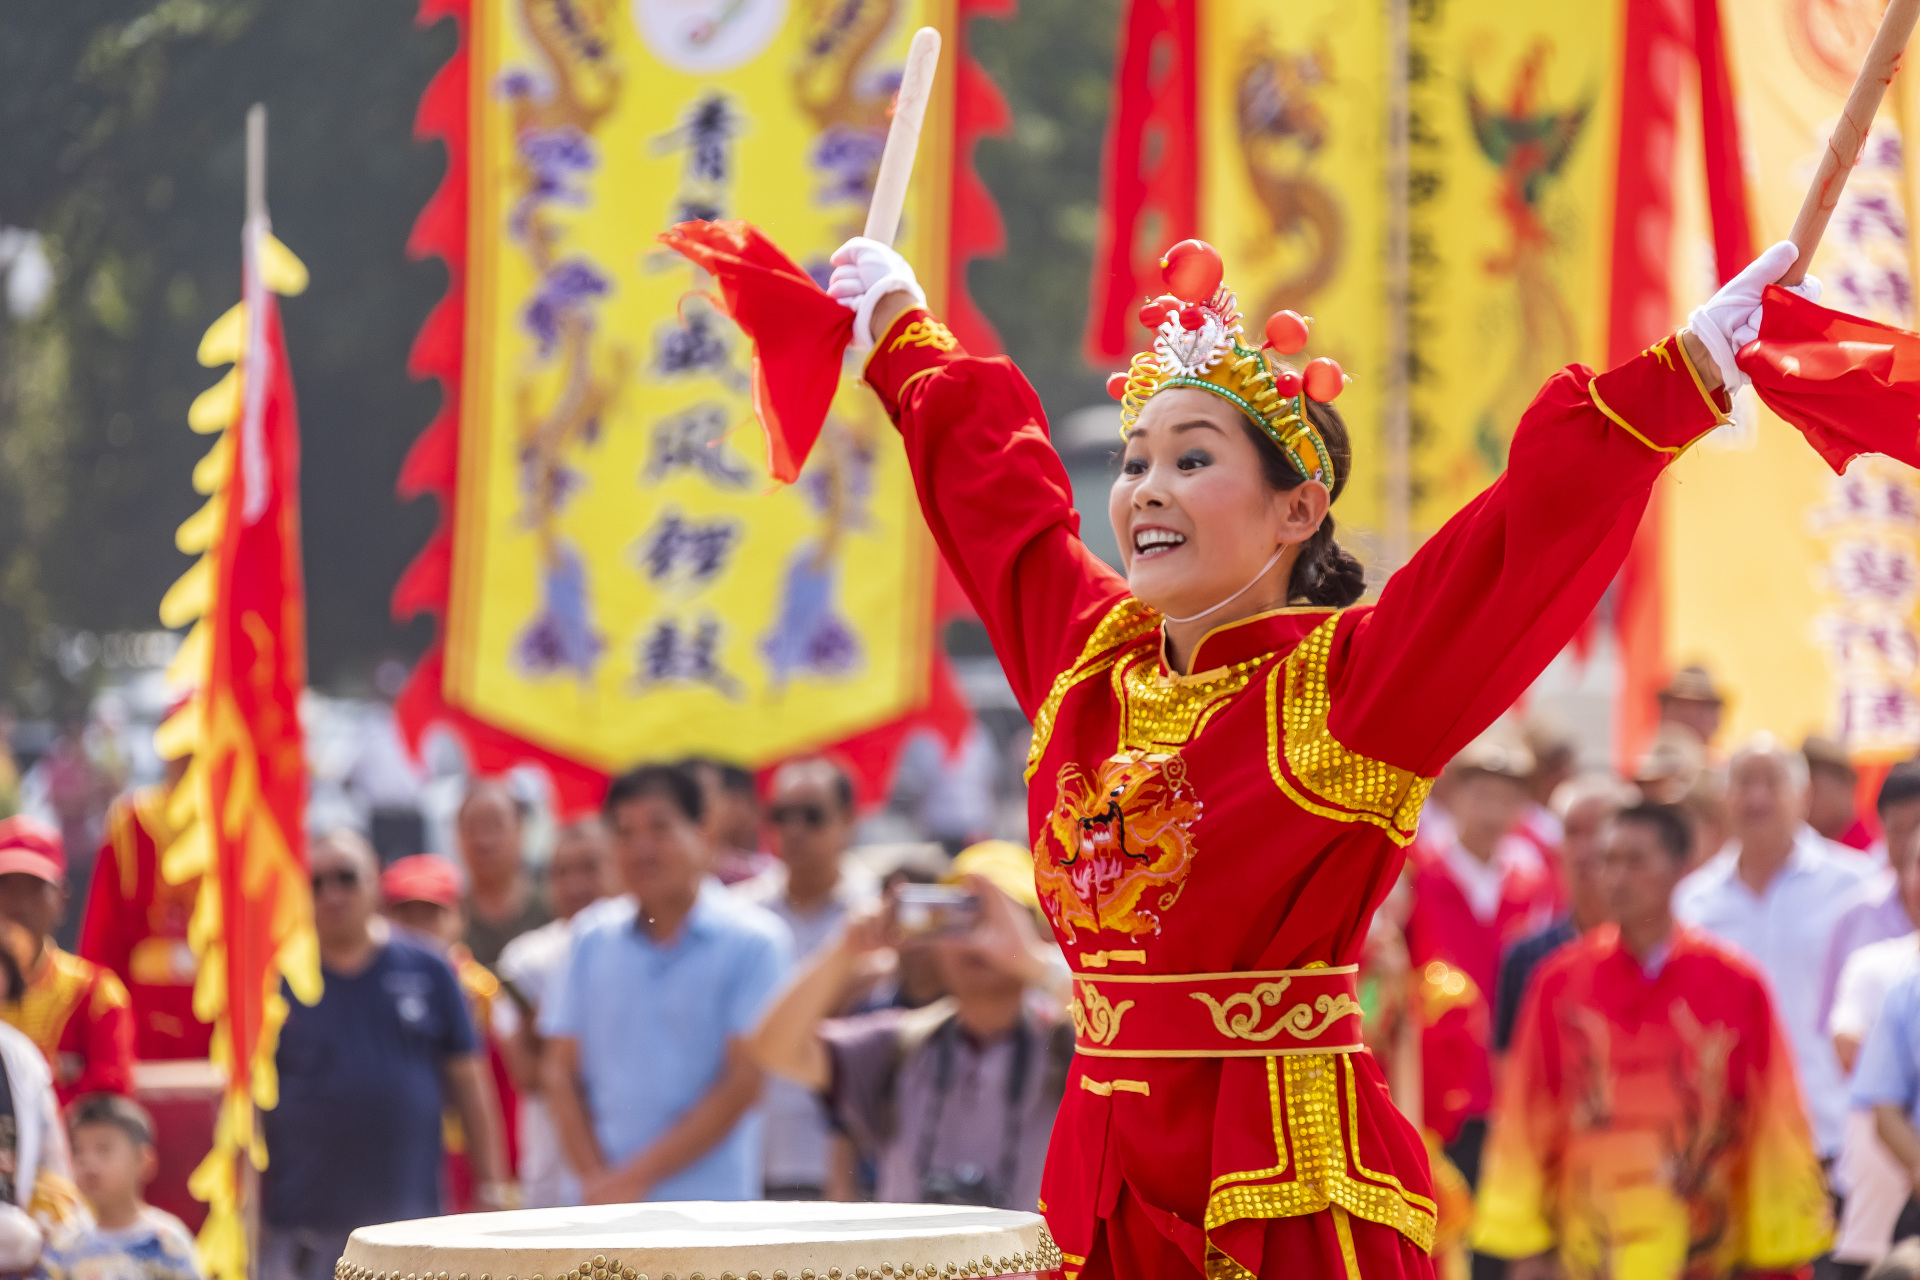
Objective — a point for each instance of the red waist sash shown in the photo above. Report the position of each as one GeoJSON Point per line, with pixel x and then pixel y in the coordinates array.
{"type": "Point", "coordinates": [1217, 1015]}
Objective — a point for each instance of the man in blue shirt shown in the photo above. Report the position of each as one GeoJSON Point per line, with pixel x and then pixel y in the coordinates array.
{"type": "Point", "coordinates": [364, 1077]}
{"type": "Point", "coordinates": [647, 1076]}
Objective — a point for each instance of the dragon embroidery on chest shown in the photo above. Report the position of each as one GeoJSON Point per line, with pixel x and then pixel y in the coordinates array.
{"type": "Point", "coordinates": [1122, 844]}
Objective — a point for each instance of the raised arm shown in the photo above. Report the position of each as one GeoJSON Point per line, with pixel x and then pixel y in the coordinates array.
{"type": "Point", "coordinates": [992, 488]}
{"type": "Point", "coordinates": [1463, 629]}
{"type": "Point", "coordinates": [1483, 607]}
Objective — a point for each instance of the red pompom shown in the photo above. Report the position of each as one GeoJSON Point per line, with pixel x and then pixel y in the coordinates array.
{"type": "Point", "coordinates": [1286, 380]}
{"type": "Point", "coordinates": [1324, 380]}
{"type": "Point", "coordinates": [1191, 317]}
{"type": "Point", "coordinates": [1153, 314]}
{"type": "Point", "coordinates": [1117, 385]}
{"type": "Point", "coordinates": [1287, 332]}
{"type": "Point", "coordinates": [1192, 270]}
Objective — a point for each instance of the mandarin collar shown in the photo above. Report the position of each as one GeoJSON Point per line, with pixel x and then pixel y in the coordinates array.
{"type": "Point", "coordinates": [1250, 637]}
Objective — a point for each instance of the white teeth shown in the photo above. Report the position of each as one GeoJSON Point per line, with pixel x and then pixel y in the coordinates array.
{"type": "Point", "coordinates": [1156, 540]}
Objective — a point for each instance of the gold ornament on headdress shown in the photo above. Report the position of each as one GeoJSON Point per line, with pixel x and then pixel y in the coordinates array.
{"type": "Point", "coordinates": [1197, 343]}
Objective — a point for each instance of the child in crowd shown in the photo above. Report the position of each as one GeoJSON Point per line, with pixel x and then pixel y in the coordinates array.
{"type": "Point", "coordinates": [113, 1160]}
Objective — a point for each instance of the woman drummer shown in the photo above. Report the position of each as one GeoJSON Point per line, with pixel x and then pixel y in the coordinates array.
{"type": "Point", "coordinates": [1229, 756]}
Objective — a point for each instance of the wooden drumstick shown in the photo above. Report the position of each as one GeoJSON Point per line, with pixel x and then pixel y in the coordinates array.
{"type": "Point", "coordinates": [903, 135]}
{"type": "Point", "coordinates": [1850, 134]}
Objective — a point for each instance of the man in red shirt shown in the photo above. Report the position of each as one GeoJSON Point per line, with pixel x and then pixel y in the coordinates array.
{"type": "Point", "coordinates": [136, 924]}
{"type": "Point", "coordinates": [1471, 897]}
{"type": "Point", "coordinates": [77, 1012]}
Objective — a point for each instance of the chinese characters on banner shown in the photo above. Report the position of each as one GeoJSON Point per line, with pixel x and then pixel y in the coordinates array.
{"type": "Point", "coordinates": [1797, 586]}
{"type": "Point", "coordinates": [626, 581]}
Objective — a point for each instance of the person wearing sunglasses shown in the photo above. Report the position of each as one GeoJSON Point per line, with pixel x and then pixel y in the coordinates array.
{"type": "Point", "coordinates": [815, 887]}
{"type": "Point", "coordinates": [365, 1075]}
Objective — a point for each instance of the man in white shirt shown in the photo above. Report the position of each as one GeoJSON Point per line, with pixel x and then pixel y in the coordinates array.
{"type": "Point", "coordinates": [579, 874]}
{"type": "Point", "coordinates": [1776, 892]}
{"type": "Point", "coordinates": [814, 888]}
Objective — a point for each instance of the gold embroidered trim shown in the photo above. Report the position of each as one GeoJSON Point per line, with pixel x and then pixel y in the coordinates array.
{"type": "Point", "coordinates": [1343, 1229]}
{"type": "Point", "coordinates": [1124, 624]}
{"type": "Point", "coordinates": [1238, 1016]}
{"type": "Point", "coordinates": [1161, 712]}
{"type": "Point", "coordinates": [1101, 959]}
{"type": "Point", "coordinates": [925, 333]}
{"type": "Point", "coordinates": [1107, 1088]}
{"type": "Point", "coordinates": [1317, 970]}
{"type": "Point", "coordinates": [1094, 1016]}
{"type": "Point", "coordinates": [1325, 774]}
{"type": "Point", "coordinates": [1321, 1049]}
{"type": "Point", "coordinates": [1720, 416]}
{"type": "Point", "coordinates": [1320, 1151]}
{"type": "Point", "coordinates": [900, 392]}
{"type": "Point", "coordinates": [1593, 393]}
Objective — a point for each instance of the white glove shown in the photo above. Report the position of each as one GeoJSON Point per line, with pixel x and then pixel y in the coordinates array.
{"type": "Point", "coordinates": [1730, 319]}
{"type": "Point", "coordinates": [865, 271]}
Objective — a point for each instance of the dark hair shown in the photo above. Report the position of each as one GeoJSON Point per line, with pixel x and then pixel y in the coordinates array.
{"type": "Point", "coordinates": [1901, 784]}
{"type": "Point", "coordinates": [123, 1113]}
{"type": "Point", "coordinates": [837, 779]}
{"type": "Point", "coordinates": [671, 782]}
{"type": "Point", "coordinates": [1669, 825]}
{"type": "Point", "coordinates": [1325, 573]}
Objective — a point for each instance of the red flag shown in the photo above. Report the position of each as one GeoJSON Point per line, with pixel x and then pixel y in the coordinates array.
{"type": "Point", "coordinates": [240, 811]}
{"type": "Point", "coordinates": [799, 334]}
{"type": "Point", "coordinates": [1851, 386]}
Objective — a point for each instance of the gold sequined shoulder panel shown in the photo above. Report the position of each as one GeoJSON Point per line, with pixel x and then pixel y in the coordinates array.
{"type": "Point", "coordinates": [1125, 625]}
{"type": "Point", "coordinates": [1313, 769]}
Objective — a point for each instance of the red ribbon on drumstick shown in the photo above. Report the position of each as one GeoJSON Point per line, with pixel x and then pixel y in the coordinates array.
{"type": "Point", "coordinates": [799, 334]}
{"type": "Point", "coordinates": [1851, 386]}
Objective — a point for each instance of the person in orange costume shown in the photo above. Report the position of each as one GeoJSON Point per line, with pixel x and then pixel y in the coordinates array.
{"type": "Point", "coordinates": [1649, 1125]}
{"type": "Point", "coordinates": [1229, 758]}
{"type": "Point", "coordinates": [136, 924]}
{"type": "Point", "coordinates": [76, 1012]}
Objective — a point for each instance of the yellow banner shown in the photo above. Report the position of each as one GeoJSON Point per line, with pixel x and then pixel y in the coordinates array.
{"type": "Point", "coordinates": [1293, 152]}
{"type": "Point", "coordinates": [1515, 108]}
{"type": "Point", "coordinates": [626, 583]}
{"type": "Point", "coordinates": [1795, 587]}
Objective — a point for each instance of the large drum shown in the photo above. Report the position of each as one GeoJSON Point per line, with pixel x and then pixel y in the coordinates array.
{"type": "Point", "coordinates": [705, 1240]}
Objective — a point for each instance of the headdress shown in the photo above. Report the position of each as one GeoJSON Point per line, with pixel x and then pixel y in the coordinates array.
{"type": "Point", "coordinates": [1197, 343]}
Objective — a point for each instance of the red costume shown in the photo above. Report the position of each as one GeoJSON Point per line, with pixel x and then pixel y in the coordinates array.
{"type": "Point", "coordinates": [1210, 847]}
{"type": "Point", "coordinates": [1649, 1126]}
{"type": "Point", "coordinates": [74, 1010]}
{"type": "Point", "coordinates": [1457, 955]}
{"type": "Point", "coordinates": [136, 925]}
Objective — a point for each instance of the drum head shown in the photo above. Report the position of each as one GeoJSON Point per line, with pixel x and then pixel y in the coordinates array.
{"type": "Point", "coordinates": [706, 1240]}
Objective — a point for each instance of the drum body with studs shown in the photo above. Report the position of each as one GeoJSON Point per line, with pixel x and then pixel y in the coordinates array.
{"type": "Point", "coordinates": [705, 1240]}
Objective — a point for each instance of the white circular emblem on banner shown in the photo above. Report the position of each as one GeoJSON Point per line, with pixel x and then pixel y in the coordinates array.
{"type": "Point", "coordinates": [708, 36]}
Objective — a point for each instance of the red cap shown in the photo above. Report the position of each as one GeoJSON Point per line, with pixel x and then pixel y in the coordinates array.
{"type": "Point", "coordinates": [32, 847]}
{"type": "Point", "coordinates": [420, 877]}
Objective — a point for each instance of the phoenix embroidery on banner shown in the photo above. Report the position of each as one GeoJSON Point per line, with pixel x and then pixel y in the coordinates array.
{"type": "Point", "coordinates": [1122, 844]}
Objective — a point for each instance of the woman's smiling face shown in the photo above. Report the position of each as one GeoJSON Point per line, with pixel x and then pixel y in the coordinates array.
{"type": "Point", "coordinates": [1192, 509]}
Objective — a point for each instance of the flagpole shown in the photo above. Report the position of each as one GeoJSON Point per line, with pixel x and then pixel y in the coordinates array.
{"type": "Point", "coordinates": [253, 232]}
{"type": "Point", "coordinates": [1396, 421]}
{"type": "Point", "coordinates": [1849, 137]}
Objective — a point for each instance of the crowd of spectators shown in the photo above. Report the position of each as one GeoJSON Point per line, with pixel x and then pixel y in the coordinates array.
{"type": "Point", "coordinates": [1666, 1024]}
